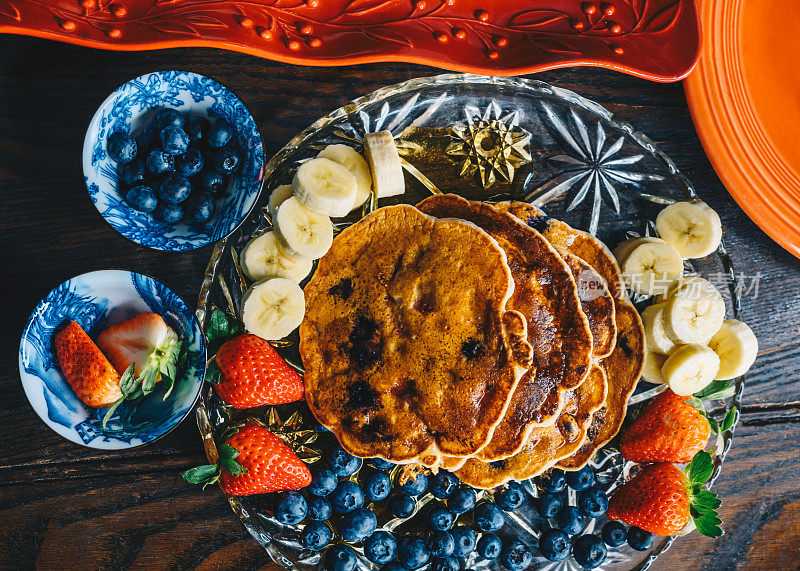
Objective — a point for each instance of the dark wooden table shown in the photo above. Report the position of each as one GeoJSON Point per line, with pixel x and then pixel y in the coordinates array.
{"type": "Point", "coordinates": [62, 505]}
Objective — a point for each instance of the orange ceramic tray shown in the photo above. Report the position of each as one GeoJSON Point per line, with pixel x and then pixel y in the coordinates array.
{"type": "Point", "coordinates": [654, 39]}
{"type": "Point", "coordinates": [744, 100]}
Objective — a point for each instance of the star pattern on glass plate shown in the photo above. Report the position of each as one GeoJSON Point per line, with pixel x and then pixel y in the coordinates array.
{"type": "Point", "coordinates": [295, 434]}
{"type": "Point", "coordinates": [490, 143]}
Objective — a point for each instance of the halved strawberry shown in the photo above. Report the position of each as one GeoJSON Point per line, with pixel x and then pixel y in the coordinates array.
{"type": "Point", "coordinates": [253, 461]}
{"type": "Point", "coordinates": [86, 369]}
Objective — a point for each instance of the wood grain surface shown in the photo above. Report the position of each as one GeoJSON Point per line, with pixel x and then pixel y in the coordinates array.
{"type": "Point", "coordinates": [65, 506]}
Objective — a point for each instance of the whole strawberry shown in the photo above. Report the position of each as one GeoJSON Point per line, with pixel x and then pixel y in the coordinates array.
{"type": "Point", "coordinates": [253, 374]}
{"type": "Point", "coordinates": [669, 430]}
{"type": "Point", "coordinates": [253, 461]}
{"type": "Point", "coordinates": [662, 499]}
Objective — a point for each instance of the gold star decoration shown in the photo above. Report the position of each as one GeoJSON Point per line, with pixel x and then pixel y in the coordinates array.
{"type": "Point", "coordinates": [295, 435]}
{"type": "Point", "coordinates": [491, 144]}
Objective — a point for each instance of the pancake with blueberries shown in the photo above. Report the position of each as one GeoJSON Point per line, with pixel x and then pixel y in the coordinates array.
{"type": "Point", "coordinates": [409, 349]}
{"type": "Point", "coordinates": [545, 293]}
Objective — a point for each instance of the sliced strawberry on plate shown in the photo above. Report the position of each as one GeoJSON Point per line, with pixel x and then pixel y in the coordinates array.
{"type": "Point", "coordinates": [86, 369]}
{"type": "Point", "coordinates": [662, 499]}
{"type": "Point", "coordinates": [252, 373]}
{"type": "Point", "coordinates": [670, 429]}
{"type": "Point", "coordinates": [253, 461]}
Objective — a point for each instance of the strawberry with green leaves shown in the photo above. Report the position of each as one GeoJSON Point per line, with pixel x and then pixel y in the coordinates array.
{"type": "Point", "coordinates": [670, 429]}
{"type": "Point", "coordinates": [253, 461]}
{"type": "Point", "coordinates": [662, 499]}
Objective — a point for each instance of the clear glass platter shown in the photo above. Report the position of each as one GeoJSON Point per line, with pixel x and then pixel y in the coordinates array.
{"type": "Point", "coordinates": [484, 138]}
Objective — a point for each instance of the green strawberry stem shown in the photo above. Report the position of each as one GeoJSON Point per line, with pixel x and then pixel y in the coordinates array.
{"type": "Point", "coordinates": [703, 503]}
{"type": "Point", "coordinates": [210, 473]}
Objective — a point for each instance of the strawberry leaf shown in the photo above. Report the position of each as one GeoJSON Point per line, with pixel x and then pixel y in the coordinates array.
{"type": "Point", "coordinates": [227, 459]}
{"type": "Point", "coordinates": [204, 475]}
{"type": "Point", "coordinates": [700, 468]}
{"type": "Point", "coordinates": [706, 522]}
{"type": "Point", "coordinates": [128, 383]}
{"type": "Point", "coordinates": [707, 499]}
{"type": "Point", "coordinates": [148, 378]}
{"type": "Point", "coordinates": [183, 357]}
{"type": "Point", "coordinates": [714, 424]}
{"type": "Point", "coordinates": [218, 326]}
{"type": "Point", "coordinates": [169, 383]}
{"type": "Point", "coordinates": [729, 419]}
{"type": "Point", "coordinates": [213, 373]}
{"type": "Point", "coordinates": [716, 390]}
{"type": "Point", "coordinates": [113, 406]}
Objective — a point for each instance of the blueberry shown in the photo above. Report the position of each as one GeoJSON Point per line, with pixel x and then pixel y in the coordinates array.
{"type": "Point", "coordinates": [412, 553]}
{"type": "Point", "coordinates": [593, 502]}
{"type": "Point", "coordinates": [340, 558]}
{"type": "Point", "coordinates": [582, 479]}
{"type": "Point", "coordinates": [447, 564]}
{"type": "Point", "coordinates": [380, 463]}
{"type": "Point", "coordinates": [489, 517]}
{"type": "Point", "coordinates": [347, 496]}
{"type": "Point", "coordinates": [440, 518]}
{"type": "Point", "coordinates": [174, 140]}
{"type": "Point", "coordinates": [402, 505]}
{"type": "Point", "coordinates": [315, 536]}
{"type": "Point", "coordinates": [160, 162]}
{"type": "Point", "coordinates": [442, 484]}
{"type": "Point", "coordinates": [461, 500]}
{"type": "Point", "coordinates": [464, 539]}
{"type": "Point", "coordinates": [614, 534]}
{"type": "Point", "coordinates": [554, 481]}
{"type": "Point", "coordinates": [121, 147]}
{"type": "Point", "coordinates": [571, 520]}
{"type": "Point", "coordinates": [323, 482]}
{"type": "Point", "coordinates": [357, 525]}
{"type": "Point", "coordinates": [133, 173]}
{"type": "Point", "coordinates": [548, 505]}
{"type": "Point", "coordinates": [377, 486]}
{"type": "Point", "coordinates": [199, 207]}
{"type": "Point", "coordinates": [341, 462]}
{"type": "Point", "coordinates": [380, 547]}
{"type": "Point", "coordinates": [554, 544]}
{"type": "Point", "coordinates": [589, 551]}
{"type": "Point", "coordinates": [413, 484]}
{"type": "Point", "coordinates": [394, 566]}
{"type": "Point", "coordinates": [639, 539]}
{"type": "Point", "coordinates": [319, 509]}
{"type": "Point", "coordinates": [290, 507]}
{"type": "Point", "coordinates": [174, 189]}
{"type": "Point", "coordinates": [141, 198]}
{"type": "Point", "coordinates": [219, 134]}
{"type": "Point", "coordinates": [225, 160]}
{"type": "Point", "coordinates": [197, 128]}
{"type": "Point", "coordinates": [165, 117]}
{"type": "Point", "coordinates": [516, 555]}
{"type": "Point", "coordinates": [189, 163]}
{"type": "Point", "coordinates": [511, 497]}
{"type": "Point", "coordinates": [489, 546]}
{"type": "Point", "coordinates": [441, 544]}
{"type": "Point", "coordinates": [168, 213]}
{"type": "Point", "coordinates": [211, 181]}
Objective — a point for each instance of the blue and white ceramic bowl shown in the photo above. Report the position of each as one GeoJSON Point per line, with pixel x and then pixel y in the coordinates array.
{"type": "Point", "coordinates": [130, 109]}
{"type": "Point", "coordinates": [96, 300]}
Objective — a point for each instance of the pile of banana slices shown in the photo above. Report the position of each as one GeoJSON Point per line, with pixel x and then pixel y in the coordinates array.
{"type": "Point", "coordinates": [331, 185]}
{"type": "Point", "coordinates": [689, 341]}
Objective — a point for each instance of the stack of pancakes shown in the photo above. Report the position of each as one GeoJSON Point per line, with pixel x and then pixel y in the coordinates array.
{"type": "Point", "coordinates": [481, 338]}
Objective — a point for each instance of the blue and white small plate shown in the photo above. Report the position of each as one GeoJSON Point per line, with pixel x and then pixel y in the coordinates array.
{"type": "Point", "coordinates": [130, 109]}
{"type": "Point", "coordinates": [96, 300]}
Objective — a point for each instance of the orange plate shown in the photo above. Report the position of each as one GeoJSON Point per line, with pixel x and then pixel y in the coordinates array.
{"type": "Point", "coordinates": [654, 39]}
{"type": "Point", "coordinates": [744, 97]}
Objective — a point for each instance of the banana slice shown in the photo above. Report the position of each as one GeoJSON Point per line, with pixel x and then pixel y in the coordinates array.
{"type": "Point", "coordinates": [278, 196]}
{"type": "Point", "coordinates": [652, 367]}
{"type": "Point", "coordinates": [262, 258]}
{"type": "Point", "coordinates": [301, 232]}
{"type": "Point", "coordinates": [692, 227]}
{"type": "Point", "coordinates": [355, 163]}
{"type": "Point", "coordinates": [649, 266]}
{"type": "Point", "coordinates": [325, 186]}
{"type": "Point", "coordinates": [666, 296]}
{"type": "Point", "coordinates": [656, 335]}
{"type": "Point", "coordinates": [694, 312]}
{"type": "Point", "coordinates": [273, 308]}
{"type": "Point", "coordinates": [384, 162]}
{"type": "Point", "coordinates": [690, 368]}
{"type": "Point", "coordinates": [737, 347]}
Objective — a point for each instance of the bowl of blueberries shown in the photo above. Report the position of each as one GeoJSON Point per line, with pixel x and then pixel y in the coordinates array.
{"type": "Point", "coordinates": [173, 161]}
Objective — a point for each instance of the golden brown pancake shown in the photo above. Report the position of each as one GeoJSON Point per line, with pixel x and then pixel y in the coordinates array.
{"type": "Point", "coordinates": [547, 444]}
{"type": "Point", "coordinates": [623, 369]}
{"type": "Point", "coordinates": [408, 347]}
{"type": "Point", "coordinates": [546, 295]}
{"type": "Point", "coordinates": [596, 302]}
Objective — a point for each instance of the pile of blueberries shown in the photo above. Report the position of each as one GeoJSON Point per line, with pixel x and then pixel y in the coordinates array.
{"type": "Point", "coordinates": [176, 166]}
{"type": "Point", "coordinates": [336, 503]}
